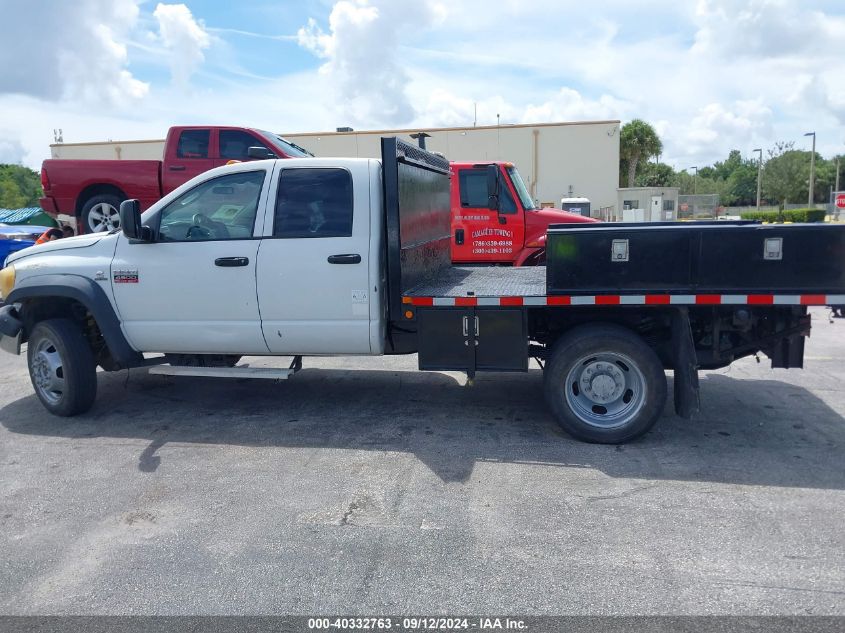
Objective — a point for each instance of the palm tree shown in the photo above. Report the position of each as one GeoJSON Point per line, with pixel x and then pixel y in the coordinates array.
{"type": "Point", "coordinates": [638, 140]}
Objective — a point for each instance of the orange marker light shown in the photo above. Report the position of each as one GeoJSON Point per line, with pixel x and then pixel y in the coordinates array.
{"type": "Point", "coordinates": [409, 314]}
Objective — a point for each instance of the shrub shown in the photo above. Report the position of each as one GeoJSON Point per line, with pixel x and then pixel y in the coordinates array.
{"type": "Point", "coordinates": [788, 215]}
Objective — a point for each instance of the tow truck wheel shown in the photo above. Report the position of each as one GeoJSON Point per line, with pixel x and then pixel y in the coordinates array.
{"type": "Point", "coordinates": [101, 213]}
{"type": "Point", "coordinates": [62, 367]}
{"type": "Point", "coordinates": [604, 384]}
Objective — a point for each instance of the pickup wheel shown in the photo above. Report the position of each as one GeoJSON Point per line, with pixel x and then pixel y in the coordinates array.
{"type": "Point", "coordinates": [101, 213]}
{"type": "Point", "coordinates": [604, 384]}
{"type": "Point", "coordinates": [62, 367]}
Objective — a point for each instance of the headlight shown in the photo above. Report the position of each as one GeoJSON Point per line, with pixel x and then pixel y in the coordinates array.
{"type": "Point", "coordinates": [7, 280]}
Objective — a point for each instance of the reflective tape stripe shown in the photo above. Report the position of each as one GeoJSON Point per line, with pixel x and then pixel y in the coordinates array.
{"type": "Point", "coordinates": [628, 300]}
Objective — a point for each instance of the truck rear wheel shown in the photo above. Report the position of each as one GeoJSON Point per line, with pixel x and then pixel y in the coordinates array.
{"type": "Point", "coordinates": [62, 367]}
{"type": "Point", "coordinates": [101, 213]}
{"type": "Point", "coordinates": [604, 384]}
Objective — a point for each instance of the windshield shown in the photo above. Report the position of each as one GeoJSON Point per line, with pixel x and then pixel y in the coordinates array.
{"type": "Point", "coordinates": [291, 149]}
{"type": "Point", "coordinates": [521, 189]}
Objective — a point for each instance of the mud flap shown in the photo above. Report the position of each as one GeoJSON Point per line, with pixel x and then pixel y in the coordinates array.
{"type": "Point", "coordinates": [687, 400]}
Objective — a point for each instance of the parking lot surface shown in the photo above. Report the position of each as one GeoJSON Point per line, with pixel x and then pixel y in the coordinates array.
{"type": "Point", "coordinates": [363, 486]}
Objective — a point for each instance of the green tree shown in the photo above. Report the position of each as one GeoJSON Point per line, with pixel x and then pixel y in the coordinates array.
{"type": "Point", "coordinates": [786, 174]}
{"type": "Point", "coordinates": [656, 175]}
{"type": "Point", "coordinates": [19, 187]}
{"type": "Point", "coordinates": [638, 141]}
{"type": "Point", "coordinates": [741, 187]}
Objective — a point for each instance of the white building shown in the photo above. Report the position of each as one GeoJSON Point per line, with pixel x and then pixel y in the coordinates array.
{"type": "Point", "coordinates": [647, 204]}
{"type": "Point", "coordinates": [556, 160]}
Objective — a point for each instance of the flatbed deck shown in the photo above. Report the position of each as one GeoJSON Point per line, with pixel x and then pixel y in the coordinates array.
{"type": "Point", "coordinates": [484, 281]}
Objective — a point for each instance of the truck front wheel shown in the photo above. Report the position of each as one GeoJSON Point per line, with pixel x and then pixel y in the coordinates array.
{"type": "Point", "coordinates": [101, 213]}
{"type": "Point", "coordinates": [604, 384]}
{"type": "Point", "coordinates": [62, 367]}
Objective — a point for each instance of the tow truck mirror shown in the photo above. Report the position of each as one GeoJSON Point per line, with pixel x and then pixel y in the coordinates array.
{"type": "Point", "coordinates": [259, 153]}
{"type": "Point", "coordinates": [130, 219]}
{"type": "Point", "coordinates": [493, 187]}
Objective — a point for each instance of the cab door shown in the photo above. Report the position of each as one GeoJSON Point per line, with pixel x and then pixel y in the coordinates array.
{"type": "Point", "coordinates": [191, 154]}
{"type": "Point", "coordinates": [234, 145]}
{"type": "Point", "coordinates": [478, 233]}
{"type": "Point", "coordinates": [192, 289]}
{"type": "Point", "coordinates": [314, 262]}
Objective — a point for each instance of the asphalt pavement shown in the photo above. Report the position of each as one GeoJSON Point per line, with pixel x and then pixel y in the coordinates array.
{"type": "Point", "coordinates": [363, 486]}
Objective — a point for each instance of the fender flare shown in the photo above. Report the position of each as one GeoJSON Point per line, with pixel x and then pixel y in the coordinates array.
{"type": "Point", "coordinates": [90, 295]}
{"type": "Point", "coordinates": [525, 253]}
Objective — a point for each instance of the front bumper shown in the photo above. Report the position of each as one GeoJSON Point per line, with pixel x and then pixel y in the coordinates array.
{"type": "Point", "coordinates": [11, 330]}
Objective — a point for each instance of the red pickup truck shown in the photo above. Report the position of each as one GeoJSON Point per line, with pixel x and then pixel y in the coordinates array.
{"type": "Point", "coordinates": [92, 190]}
{"type": "Point", "coordinates": [513, 233]}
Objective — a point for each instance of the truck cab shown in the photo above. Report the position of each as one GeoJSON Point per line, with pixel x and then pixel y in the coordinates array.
{"type": "Point", "coordinates": [514, 234]}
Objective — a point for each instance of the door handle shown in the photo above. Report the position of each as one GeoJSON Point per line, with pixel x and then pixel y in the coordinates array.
{"type": "Point", "coordinates": [459, 237]}
{"type": "Point", "coordinates": [231, 262]}
{"type": "Point", "coordinates": [348, 258]}
{"type": "Point", "coordinates": [177, 168]}
{"type": "Point", "coordinates": [477, 329]}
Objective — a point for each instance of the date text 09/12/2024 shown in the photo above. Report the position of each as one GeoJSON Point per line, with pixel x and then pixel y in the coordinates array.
{"type": "Point", "coordinates": [416, 623]}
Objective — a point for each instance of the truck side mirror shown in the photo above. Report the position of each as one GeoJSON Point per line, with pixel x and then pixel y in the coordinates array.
{"type": "Point", "coordinates": [493, 187]}
{"type": "Point", "coordinates": [259, 153]}
{"type": "Point", "coordinates": [130, 219]}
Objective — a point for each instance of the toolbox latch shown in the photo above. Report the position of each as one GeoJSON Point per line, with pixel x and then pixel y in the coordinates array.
{"type": "Point", "coordinates": [619, 251]}
{"type": "Point", "coordinates": [773, 248]}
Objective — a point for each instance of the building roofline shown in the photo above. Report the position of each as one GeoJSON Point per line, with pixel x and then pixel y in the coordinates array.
{"type": "Point", "coordinates": [451, 129]}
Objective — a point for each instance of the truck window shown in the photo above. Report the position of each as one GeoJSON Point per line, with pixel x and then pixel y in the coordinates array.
{"type": "Point", "coordinates": [222, 208]}
{"type": "Point", "coordinates": [235, 143]}
{"type": "Point", "coordinates": [473, 190]}
{"type": "Point", "coordinates": [193, 144]}
{"type": "Point", "coordinates": [313, 202]}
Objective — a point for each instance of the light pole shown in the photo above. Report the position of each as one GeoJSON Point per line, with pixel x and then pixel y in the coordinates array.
{"type": "Point", "coordinates": [694, 188]}
{"type": "Point", "coordinates": [812, 168]}
{"type": "Point", "coordinates": [759, 173]}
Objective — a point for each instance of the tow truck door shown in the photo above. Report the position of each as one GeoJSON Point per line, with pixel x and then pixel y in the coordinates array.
{"type": "Point", "coordinates": [480, 234]}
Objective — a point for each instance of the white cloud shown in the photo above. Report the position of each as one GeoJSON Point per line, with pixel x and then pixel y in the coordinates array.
{"type": "Point", "coordinates": [765, 28]}
{"type": "Point", "coordinates": [11, 149]}
{"type": "Point", "coordinates": [570, 105]}
{"type": "Point", "coordinates": [741, 123]}
{"type": "Point", "coordinates": [56, 49]}
{"type": "Point", "coordinates": [361, 53]}
{"type": "Point", "coordinates": [184, 37]}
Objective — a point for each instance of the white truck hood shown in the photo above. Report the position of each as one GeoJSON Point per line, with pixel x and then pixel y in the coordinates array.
{"type": "Point", "coordinates": [79, 241]}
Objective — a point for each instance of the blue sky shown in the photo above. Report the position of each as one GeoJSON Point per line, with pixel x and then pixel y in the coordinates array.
{"type": "Point", "coordinates": [711, 75]}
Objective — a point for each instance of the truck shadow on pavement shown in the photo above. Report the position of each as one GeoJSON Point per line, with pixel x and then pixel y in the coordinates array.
{"type": "Point", "coordinates": [750, 432]}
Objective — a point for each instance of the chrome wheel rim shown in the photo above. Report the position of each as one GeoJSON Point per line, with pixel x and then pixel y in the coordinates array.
{"type": "Point", "coordinates": [605, 390]}
{"type": "Point", "coordinates": [47, 369]}
{"type": "Point", "coordinates": [103, 217]}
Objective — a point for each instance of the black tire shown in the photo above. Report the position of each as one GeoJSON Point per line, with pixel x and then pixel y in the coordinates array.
{"type": "Point", "coordinates": [604, 384]}
{"type": "Point", "coordinates": [58, 355]}
{"type": "Point", "coordinates": [101, 213]}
